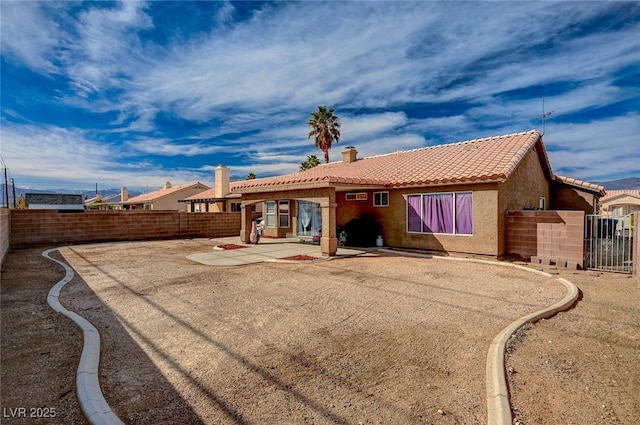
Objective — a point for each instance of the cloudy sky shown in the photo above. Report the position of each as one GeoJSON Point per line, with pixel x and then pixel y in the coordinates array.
{"type": "Point", "coordinates": [135, 94]}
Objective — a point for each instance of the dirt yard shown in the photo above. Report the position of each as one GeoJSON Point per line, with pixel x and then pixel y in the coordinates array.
{"type": "Point", "coordinates": [373, 339]}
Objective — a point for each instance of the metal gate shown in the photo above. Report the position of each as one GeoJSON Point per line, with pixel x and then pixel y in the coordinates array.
{"type": "Point", "coordinates": [609, 243]}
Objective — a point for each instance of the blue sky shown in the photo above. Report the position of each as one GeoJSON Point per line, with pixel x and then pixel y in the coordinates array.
{"type": "Point", "coordinates": [135, 94]}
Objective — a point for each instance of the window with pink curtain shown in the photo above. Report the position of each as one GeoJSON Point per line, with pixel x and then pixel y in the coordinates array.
{"type": "Point", "coordinates": [450, 213]}
{"type": "Point", "coordinates": [438, 213]}
{"type": "Point", "coordinates": [414, 218]}
{"type": "Point", "coordinates": [464, 213]}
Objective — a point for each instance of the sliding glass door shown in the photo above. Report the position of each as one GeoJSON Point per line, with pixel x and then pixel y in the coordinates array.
{"type": "Point", "coordinates": [309, 218]}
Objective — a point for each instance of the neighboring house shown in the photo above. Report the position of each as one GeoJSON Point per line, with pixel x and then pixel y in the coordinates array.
{"type": "Point", "coordinates": [54, 201]}
{"type": "Point", "coordinates": [104, 203]}
{"type": "Point", "coordinates": [111, 202]}
{"type": "Point", "coordinates": [217, 199]}
{"type": "Point", "coordinates": [167, 198]}
{"type": "Point", "coordinates": [450, 197]}
{"type": "Point", "coordinates": [619, 203]}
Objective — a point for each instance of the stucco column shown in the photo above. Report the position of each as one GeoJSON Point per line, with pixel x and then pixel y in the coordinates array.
{"type": "Point", "coordinates": [245, 222]}
{"type": "Point", "coordinates": [328, 240]}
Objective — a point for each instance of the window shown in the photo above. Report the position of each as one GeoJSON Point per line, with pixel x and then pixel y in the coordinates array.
{"type": "Point", "coordinates": [360, 196]}
{"type": "Point", "coordinates": [380, 199]}
{"type": "Point", "coordinates": [236, 207]}
{"type": "Point", "coordinates": [444, 213]}
{"type": "Point", "coordinates": [271, 214]}
{"type": "Point", "coordinates": [283, 214]}
{"type": "Point", "coordinates": [197, 207]}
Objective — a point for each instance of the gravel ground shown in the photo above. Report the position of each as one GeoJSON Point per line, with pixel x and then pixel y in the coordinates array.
{"type": "Point", "coordinates": [372, 339]}
{"type": "Point", "coordinates": [582, 366]}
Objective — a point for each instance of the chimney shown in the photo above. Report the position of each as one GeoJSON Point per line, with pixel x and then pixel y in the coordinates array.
{"type": "Point", "coordinates": [124, 194]}
{"type": "Point", "coordinates": [167, 185]}
{"type": "Point", "coordinates": [349, 155]}
{"type": "Point", "coordinates": [221, 183]}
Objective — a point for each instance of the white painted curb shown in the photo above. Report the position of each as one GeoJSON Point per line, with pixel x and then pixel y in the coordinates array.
{"type": "Point", "coordinates": [92, 402]}
{"type": "Point", "coordinates": [498, 406]}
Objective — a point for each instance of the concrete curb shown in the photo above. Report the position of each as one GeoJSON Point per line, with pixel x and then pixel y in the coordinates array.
{"type": "Point", "coordinates": [498, 406]}
{"type": "Point", "coordinates": [92, 402]}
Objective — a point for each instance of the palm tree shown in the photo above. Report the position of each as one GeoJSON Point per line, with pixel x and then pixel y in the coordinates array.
{"type": "Point", "coordinates": [250, 176]}
{"type": "Point", "coordinates": [325, 127]}
{"type": "Point", "coordinates": [310, 162]}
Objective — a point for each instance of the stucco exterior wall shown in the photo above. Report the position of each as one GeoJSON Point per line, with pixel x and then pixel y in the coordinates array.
{"type": "Point", "coordinates": [170, 202]}
{"type": "Point", "coordinates": [328, 194]}
{"type": "Point", "coordinates": [522, 190]}
{"type": "Point", "coordinates": [566, 198]}
{"type": "Point", "coordinates": [608, 204]}
{"type": "Point", "coordinates": [34, 227]}
{"type": "Point", "coordinates": [393, 219]}
{"type": "Point", "coordinates": [5, 232]}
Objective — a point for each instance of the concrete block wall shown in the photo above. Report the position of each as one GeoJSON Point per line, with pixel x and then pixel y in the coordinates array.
{"type": "Point", "coordinates": [546, 234]}
{"type": "Point", "coordinates": [39, 227]}
{"type": "Point", "coordinates": [5, 232]}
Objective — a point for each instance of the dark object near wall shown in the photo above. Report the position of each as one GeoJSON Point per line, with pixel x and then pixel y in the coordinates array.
{"type": "Point", "coordinates": [362, 231]}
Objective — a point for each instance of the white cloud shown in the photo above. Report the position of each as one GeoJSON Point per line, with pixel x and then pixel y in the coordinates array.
{"type": "Point", "coordinates": [257, 80]}
{"type": "Point", "coordinates": [166, 147]}
{"type": "Point", "coordinates": [595, 150]}
{"type": "Point", "coordinates": [46, 156]}
{"type": "Point", "coordinates": [357, 127]}
{"type": "Point", "coordinates": [28, 35]}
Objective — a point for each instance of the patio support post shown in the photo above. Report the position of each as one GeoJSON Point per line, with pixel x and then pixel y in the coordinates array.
{"type": "Point", "coordinates": [245, 222]}
{"type": "Point", "coordinates": [328, 240]}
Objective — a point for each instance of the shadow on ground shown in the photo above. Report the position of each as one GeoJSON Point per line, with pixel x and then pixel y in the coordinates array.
{"type": "Point", "coordinates": [41, 350]}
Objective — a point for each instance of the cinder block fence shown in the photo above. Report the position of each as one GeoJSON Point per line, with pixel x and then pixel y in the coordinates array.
{"type": "Point", "coordinates": [38, 227]}
{"type": "Point", "coordinates": [5, 232]}
{"type": "Point", "coordinates": [555, 235]}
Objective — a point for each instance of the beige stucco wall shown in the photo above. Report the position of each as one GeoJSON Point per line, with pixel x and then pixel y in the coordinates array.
{"type": "Point", "coordinates": [214, 206]}
{"type": "Point", "coordinates": [328, 194]}
{"type": "Point", "coordinates": [393, 219]}
{"type": "Point", "coordinates": [608, 204]}
{"type": "Point", "coordinates": [564, 197]}
{"type": "Point", "coordinates": [170, 202]}
{"type": "Point", "coordinates": [522, 190]}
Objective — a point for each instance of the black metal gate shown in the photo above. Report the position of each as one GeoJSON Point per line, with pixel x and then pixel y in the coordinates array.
{"type": "Point", "coordinates": [609, 243]}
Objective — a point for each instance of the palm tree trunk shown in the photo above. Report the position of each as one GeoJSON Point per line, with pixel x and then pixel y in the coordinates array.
{"type": "Point", "coordinates": [326, 155]}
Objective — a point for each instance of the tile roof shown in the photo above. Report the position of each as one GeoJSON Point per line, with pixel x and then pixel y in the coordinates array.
{"type": "Point", "coordinates": [635, 193]}
{"type": "Point", "coordinates": [589, 187]}
{"type": "Point", "coordinates": [481, 160]}
{"type": "Point", "coordinates": [152, 196]}
{"type": "Point", "coordinates": [210, 194]}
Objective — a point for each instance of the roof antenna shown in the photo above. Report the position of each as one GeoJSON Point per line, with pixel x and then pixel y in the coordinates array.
{"type": "Point", "coordinates": [544, 116]}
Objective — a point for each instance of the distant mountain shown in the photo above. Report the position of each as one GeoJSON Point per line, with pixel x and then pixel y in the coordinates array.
{"type": "Point", "coordinates": [85, 193]}
{"type": "Point", "coordinates": [621, 184]}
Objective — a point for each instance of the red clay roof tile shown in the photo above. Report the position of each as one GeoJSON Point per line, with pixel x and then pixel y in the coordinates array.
{"type": "Point", "coordinates": [488, 159]}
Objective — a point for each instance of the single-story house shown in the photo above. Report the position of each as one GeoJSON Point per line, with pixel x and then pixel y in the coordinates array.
{"type": "Point", "coordinates": [104, 203]}
{"type": "Point", "coordinates": [54, 201]}
{"type": "Point", "coordinates": [618, 203]}
{"type": "Point", "coordinates": [166, 198]}
{"type": "Point", "coordinates": [217, 199]}
{"type": "Point", "coordinates": [110, 202]}
{"type": "Point", "coordinates": [451, 197]}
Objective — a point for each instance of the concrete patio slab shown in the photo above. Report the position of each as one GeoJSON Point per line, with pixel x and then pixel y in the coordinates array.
{"type": "Point", "coordinates": [266, 250]}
